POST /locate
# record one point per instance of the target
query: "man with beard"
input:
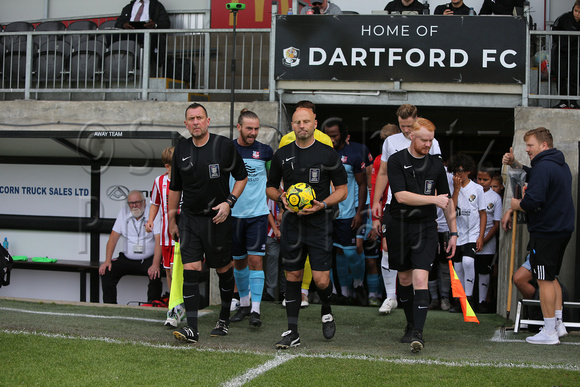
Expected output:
(138, 250)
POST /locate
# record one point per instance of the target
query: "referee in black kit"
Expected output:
(419, 185)
(308, 232)
(201, 170)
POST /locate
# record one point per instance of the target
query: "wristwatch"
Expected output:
(453, 234)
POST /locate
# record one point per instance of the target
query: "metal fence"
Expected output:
(144, 62)
(554, 68)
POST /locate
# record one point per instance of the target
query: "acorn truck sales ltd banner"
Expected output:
(444, 49)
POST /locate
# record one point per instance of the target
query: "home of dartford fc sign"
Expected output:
(445, 49)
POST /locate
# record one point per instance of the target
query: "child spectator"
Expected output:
(159, 200)
(484, 258)
(471, 220)
(497, 185)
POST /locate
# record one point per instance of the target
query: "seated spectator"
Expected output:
(321, 7)
(454, 7)
(405, 7)
(565, 56)
(138, 251)
(153, 16)
(502, 7)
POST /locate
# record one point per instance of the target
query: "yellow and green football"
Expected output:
(300, 196)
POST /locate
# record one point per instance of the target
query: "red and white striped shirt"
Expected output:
(160, 197)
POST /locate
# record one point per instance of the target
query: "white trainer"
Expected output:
(304, 303)
(561, 329)
(544, 338)
(180, 312)
(171, 320)
(388, 305)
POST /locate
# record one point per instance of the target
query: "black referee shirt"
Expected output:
(425, 176)
(316, 165)
(203, 173)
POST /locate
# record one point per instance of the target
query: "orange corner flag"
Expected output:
(458, 292)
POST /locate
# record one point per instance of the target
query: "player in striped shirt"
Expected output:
(159, 200)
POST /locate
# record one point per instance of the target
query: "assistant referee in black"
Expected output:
(201, 170)
(308, 232)
(419, 185)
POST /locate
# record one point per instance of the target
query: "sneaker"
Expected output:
(186, 334)
(234, 305)
(304, 303)
(242, 312)
(417, 342)
(361, 296)
(561, 329)
(255, 319)
(289, 339)
(171, 320)
(434, 304)
(388, 305)
(408, 334)
(328, 326)
(456, 307)
(374, 301)
(221, 328)
(561, 105)
(180, 312)
(284, 303)
(445, 304)
(543, 338)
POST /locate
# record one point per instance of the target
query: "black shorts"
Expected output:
(466, 250)
(199, 236)
(546, 257)
(306, 235)
(411, 245)
(343, 235)
(249, 236)
(483, 263)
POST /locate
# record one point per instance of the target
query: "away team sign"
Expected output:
(445, 49)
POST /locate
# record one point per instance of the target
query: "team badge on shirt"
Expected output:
(429, 187)
(256, 154)
(490, 206)
(472, 198)
(344, 159)
(214, 171)
(314, 175)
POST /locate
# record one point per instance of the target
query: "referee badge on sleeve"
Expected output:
(214, 171)
(314, 175)
(429, 187)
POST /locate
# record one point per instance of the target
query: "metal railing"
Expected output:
(554, 67)
(140, 62)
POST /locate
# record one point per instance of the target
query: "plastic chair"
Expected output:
(86, 62)
(122, 60)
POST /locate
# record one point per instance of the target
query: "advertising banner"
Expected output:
(442, 49)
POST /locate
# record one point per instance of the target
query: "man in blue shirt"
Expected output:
(250, 219)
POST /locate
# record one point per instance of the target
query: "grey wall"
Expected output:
(563, 124)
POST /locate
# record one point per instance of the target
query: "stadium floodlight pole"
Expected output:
(234, 8)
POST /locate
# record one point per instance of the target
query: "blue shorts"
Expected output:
(526, 265)
(344, 236)
(249, 236)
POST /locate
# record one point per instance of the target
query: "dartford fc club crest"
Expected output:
(291, 57)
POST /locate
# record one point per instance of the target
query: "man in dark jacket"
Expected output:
(405, 7)
(154, 16)
(565, 56)
(502, 7)
(550, 210)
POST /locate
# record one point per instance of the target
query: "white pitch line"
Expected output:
(253, 373)
(459, 363)
(201, 313)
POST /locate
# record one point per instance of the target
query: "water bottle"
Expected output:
(426, 8)
(310, 11)
(5, 243)
(471, 11)
(290, 11)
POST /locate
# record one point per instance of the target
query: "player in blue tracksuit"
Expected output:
(351, 212)
(250, 219)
